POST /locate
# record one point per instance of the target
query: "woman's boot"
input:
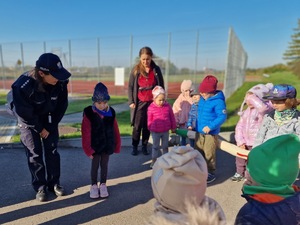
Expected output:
(134, 150)
(145, 149)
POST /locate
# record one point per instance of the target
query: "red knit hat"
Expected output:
(208, 84)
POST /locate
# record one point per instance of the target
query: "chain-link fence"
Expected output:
(181, 55)
(235, 66)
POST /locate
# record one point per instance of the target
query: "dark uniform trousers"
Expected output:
(36, 150)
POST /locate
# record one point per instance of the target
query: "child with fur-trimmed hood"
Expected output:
(179, 184)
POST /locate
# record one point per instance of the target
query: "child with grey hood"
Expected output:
(284, 119)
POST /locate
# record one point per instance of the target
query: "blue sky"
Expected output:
(263, 26)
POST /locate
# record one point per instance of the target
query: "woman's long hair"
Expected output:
(34, 73)
(139, 68)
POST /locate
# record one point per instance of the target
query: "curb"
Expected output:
(76, 142)
(125, 142)
(66, 143)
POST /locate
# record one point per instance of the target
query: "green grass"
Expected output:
(123, 122)
(78, 105)
(233, 105)
(2, 98)
(234, 102)
(122, 118)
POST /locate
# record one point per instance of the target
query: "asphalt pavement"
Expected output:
(130, 201)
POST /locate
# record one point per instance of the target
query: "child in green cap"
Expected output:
(272, 198)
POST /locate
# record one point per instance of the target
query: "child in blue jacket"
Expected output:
(191, 123)
(211, 115)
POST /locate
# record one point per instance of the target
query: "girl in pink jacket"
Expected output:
(249, 123)
(160, 120)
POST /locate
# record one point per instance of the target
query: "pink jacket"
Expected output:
(161, 118)
(250, 121)
(181, 109)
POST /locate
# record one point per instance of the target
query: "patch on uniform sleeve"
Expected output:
(27, 87)
(25, 83)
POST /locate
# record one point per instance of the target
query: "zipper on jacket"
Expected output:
(49, 118)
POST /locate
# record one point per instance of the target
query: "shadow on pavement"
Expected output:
(128, 184)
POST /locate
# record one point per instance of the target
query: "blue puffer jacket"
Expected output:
(283, 212)
(211, 113)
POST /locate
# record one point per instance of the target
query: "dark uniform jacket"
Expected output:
(39, 109)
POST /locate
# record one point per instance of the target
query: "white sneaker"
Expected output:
(103, 191)
(94, 191)
(237, 177)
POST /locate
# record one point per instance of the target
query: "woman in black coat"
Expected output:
(143, 78)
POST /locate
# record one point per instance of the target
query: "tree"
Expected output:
(292, 54)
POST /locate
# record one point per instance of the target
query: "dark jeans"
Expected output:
(140, 125)
(101, 160)
(37, 150)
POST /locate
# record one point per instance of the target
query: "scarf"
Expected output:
(106, 112)
(286, 115)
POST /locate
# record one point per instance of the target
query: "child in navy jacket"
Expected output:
(272, 198)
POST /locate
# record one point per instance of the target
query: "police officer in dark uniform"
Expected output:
(40, 99)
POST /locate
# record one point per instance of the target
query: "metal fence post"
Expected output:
(196, 56)
(70, 66)
(98, 58)
(22, 55)
(2, 66)
(168, 62)
(45, 46)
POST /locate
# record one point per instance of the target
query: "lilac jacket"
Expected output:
(250, 121)
(160, 118)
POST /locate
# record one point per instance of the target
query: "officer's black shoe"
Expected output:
(41, 195)
(134, 150)
(57, 189)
